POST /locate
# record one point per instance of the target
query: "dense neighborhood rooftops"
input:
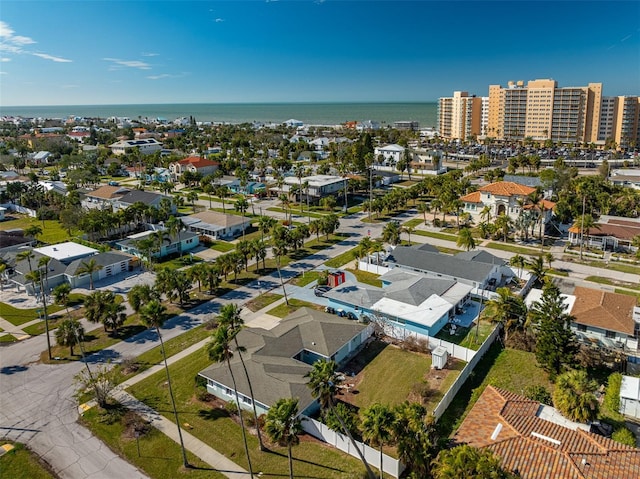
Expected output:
(507, 188)
(454, 266)
(269, 355)
(509, 425)
(605, 310)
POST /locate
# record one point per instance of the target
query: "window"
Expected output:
(582, 327)
(610, 334)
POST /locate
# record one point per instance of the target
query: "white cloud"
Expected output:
(13, 44)
(150, 54)
(219, 20)
(116, 62)
(4, 59)
(52, 58)
(159, 77)
(3, 73)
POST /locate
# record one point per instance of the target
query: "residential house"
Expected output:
(178, 244)
(112, 264)
(277, 360)
(146, 146)
(104, 197)
(504, 198)
(193, 164)
(611, 233)
(604, 320)
(216, 225)
(407, 304)
(535, 442)
(41, 157)
(391, 154)
(147, 197)
(628, 178)
(319, 186)
(479, 269)
(630, 397)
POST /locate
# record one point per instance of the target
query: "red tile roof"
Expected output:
(507, 188)
(604, 310)
(198, 162)
(471, 198)
(541, 449)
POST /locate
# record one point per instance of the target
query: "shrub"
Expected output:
(624, 435)
(135, 425)
(612, 393)
(130, 365)
(248, 418)
(413, 343)
(422, 390)
(539, 394)
(231, 407)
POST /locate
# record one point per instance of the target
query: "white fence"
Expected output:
(464, 374)
(20, 209)
(390, 465)
(372, 267)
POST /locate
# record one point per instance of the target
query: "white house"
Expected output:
(111, 264)
(505, 198)
(391, 154)
(145, 146)
(3, 210)
(193, 164)
(319, 186)
(104, 197)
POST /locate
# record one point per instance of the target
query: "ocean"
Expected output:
(309, 113)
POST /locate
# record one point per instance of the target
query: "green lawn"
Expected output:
(18, 316)
(52, 231)
(510, 369)
(623, 268)
(306, 278)
(160, 457)
(8, 338)
(295, 211)
(514, 249)
(413, 223)
(285, 309)
(341, 259)
(262, 301)
(612, 282)
(366, 277)
(223, 246)
(21, 463)
(217, 429)
(436, 234)
(466, 337)
(390, 376)
(177, 263)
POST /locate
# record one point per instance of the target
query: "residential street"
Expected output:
(36, 400)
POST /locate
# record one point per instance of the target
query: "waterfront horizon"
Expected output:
(311, 113)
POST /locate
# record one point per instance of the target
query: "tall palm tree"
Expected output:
(323, 383)
(391, 233)
(283, 425)
(518, 261)
(89, 267)
(279, 249)
(153, 315)
(465, 239)
(424, 208)
(69, 333)
(408, 230)
(506, 309)
(503, 223)
(230, 316)
(585, 222)
(28, 255)
(174, 227)
(219, 350)
(377, 427)
(536, 267)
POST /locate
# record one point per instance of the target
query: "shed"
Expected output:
(630, 396)
(336, 278)
(439, 357)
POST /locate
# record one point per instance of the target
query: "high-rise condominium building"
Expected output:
(460, 117)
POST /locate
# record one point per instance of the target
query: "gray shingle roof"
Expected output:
(269, 355)
(103, 259)
(146, 197)
(357, 294)
(480, 256)
(438, 263)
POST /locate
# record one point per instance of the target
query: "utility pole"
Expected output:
(584, 201)
(46, 317)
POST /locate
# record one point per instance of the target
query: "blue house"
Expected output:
(277, 360)
(183, 242)
(407, 304)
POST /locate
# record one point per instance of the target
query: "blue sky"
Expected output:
(61, 52)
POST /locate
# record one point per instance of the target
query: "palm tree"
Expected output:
(466, 239)
(503, 223)
(548, 257)
(283, 425)
(242, 205)
(518, 261)
(506, 309)
(584, 223)
(61, 295)
(69, 333)
(279, 249)
(28, 255)
(323, 382)
(377, 427)
(391, 233)
(424, 208)
(222, 192)
(467, 461)
(574, 396)
(408, 230)
(230, 316)
(219, 350)
(536, 267)
(174, 226)
(485, 213)
(89, 267)
(153, 315)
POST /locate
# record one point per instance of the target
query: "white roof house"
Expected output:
(630, 396)
(66, 252)
(426, 313)
(535, 295)
(146, 146)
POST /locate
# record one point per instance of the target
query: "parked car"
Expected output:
(321, 290)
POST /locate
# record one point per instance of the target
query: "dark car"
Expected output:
(320, 290)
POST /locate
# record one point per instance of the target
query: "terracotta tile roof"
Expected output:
(198, 162)
(540, 449)
(507, 188)
(548, 205)
(471, 198)
(605, 310)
